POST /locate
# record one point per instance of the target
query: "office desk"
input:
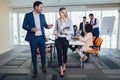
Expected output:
(75, 42)
(79, 43)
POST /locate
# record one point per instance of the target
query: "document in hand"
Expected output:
(66, 28)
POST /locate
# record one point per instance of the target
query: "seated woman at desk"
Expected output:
(88, 39)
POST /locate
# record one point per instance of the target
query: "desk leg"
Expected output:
(54, 52)
(51, 53)
(81, 62)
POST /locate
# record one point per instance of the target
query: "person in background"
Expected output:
(95, 23)
(82, 26)
(75, 35)
(88, 39)
(34, 23)
(63, 29)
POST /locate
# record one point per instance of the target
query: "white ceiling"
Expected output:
(29, 3)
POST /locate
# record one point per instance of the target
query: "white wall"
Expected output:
(5, 29)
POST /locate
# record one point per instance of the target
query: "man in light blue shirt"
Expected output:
(74, 35)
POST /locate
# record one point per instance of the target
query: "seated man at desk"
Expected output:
(75, 36)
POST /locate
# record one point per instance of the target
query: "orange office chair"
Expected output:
(96, 47)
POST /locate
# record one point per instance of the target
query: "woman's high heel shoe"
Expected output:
(61, 74)
(64, 67)
(64, 71)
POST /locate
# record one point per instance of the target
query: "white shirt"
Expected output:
(37, 24)
(97, 23)
(84, 26)
(59, 26)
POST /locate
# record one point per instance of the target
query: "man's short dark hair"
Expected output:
(36, 3)
(74, 25)
(88, 27)
(84, 17)
(91, 14)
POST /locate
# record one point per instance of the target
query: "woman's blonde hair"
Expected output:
(64, 10)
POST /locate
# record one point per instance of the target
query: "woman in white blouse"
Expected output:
(88, 39)
(63, 29)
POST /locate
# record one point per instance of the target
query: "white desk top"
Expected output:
(71, 42)
(76, 42)
(50, 42)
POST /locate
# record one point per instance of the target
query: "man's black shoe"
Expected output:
(44, 70)
(34, 75)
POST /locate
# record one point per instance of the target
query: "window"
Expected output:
(21, 31)
(15, 29)
(76, 16)
(50, 19)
